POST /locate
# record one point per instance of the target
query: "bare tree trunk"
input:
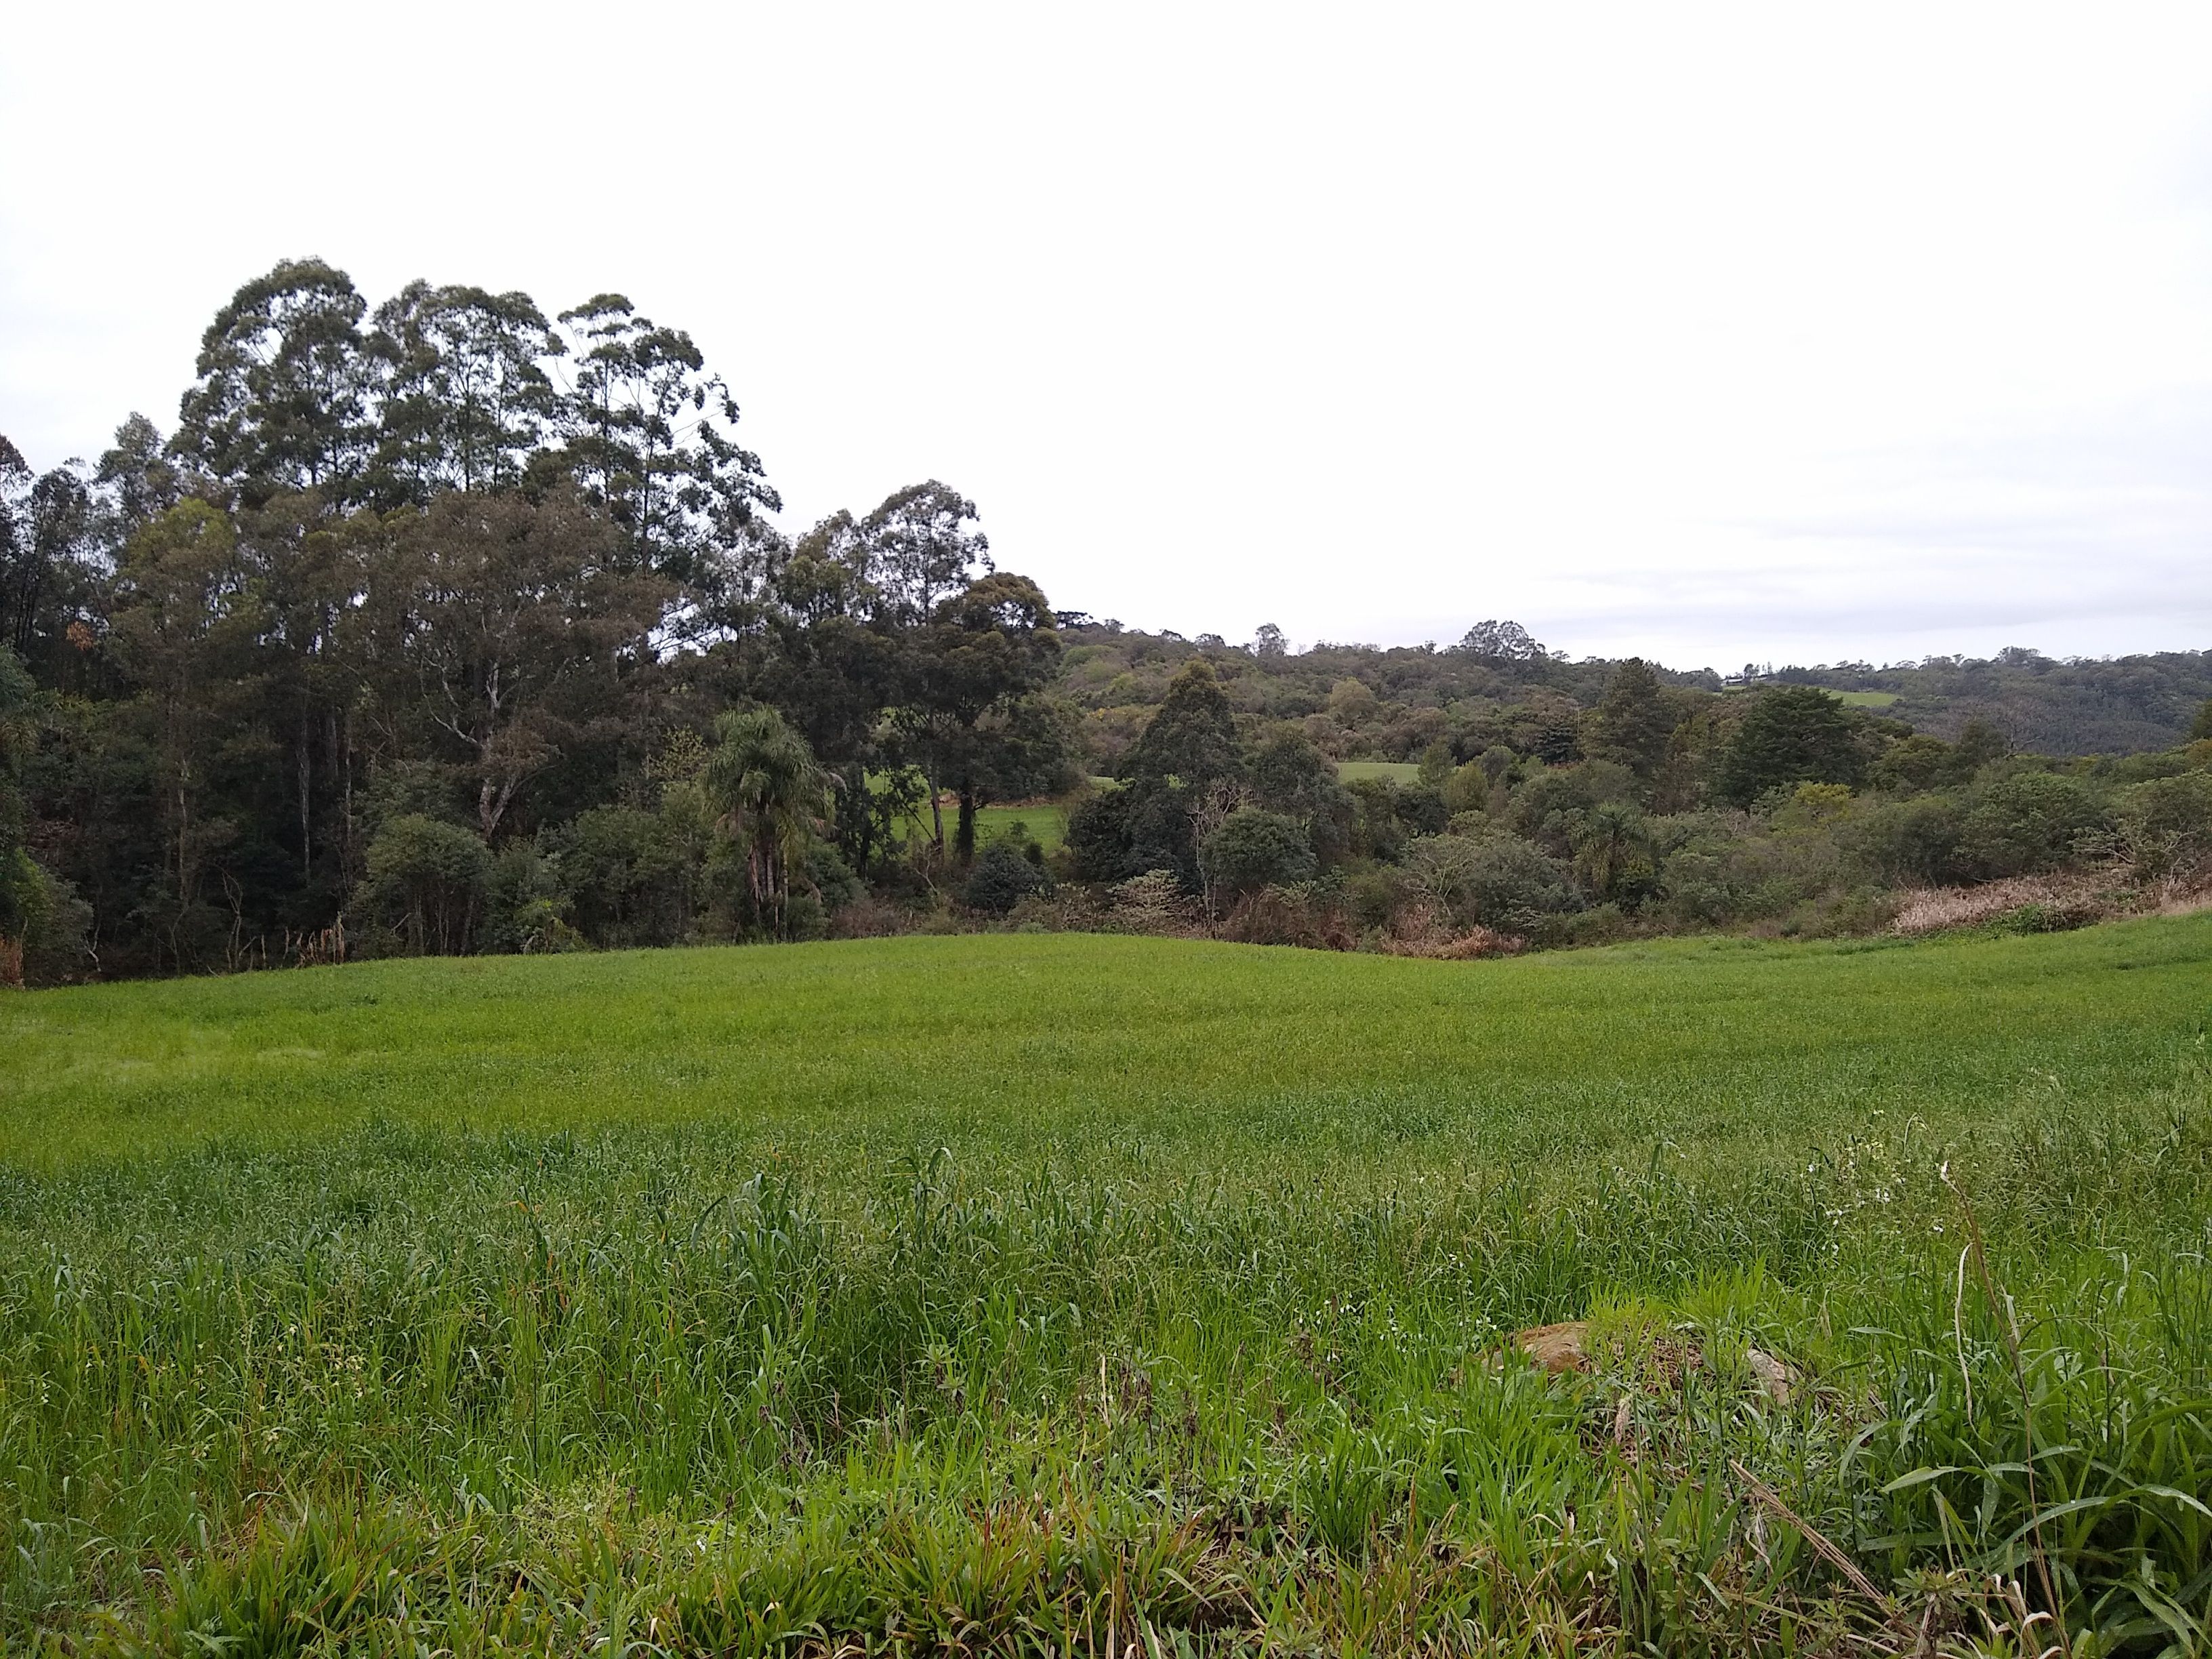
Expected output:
(307, 798)
(964, 838)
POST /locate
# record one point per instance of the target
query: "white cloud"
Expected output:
(1716, 333)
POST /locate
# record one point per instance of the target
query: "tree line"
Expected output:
(446, 625)
(1662, 804)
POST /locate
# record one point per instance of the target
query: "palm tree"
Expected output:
(1608, 842)
(762, 780)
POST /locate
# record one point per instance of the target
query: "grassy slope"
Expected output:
(1016, 1039)
(1046, 822)
(545, 1304)
(1399, 772)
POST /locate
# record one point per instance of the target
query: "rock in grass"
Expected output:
(1557, 1348)
(1774, 1377)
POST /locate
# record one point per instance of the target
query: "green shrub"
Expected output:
(427, 881)
(1001, 879)
(1499, 882)
(1254, 849)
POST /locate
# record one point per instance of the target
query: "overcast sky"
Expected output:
(1715, 334)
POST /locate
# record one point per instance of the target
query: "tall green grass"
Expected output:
(487, 1326)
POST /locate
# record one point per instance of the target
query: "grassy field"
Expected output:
(1867, 699)
(1046, 822)
(1045, 1292)
(1397, 772)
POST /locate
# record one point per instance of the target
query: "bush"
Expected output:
(1500, 882)
(1799, 734)
(526, 909)
(427, 879)
(2026, 824)
(54, 945)
(1913, 840)
(1099, 836)
(1300, 915)
(2164, 827)
(1254, 849)
(1001, 879)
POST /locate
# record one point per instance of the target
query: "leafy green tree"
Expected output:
(1289, 775)
(1910, 764)
(1001, 879)
(1253, 850)
(433, 876)
(1979, 743)
(920, 551)
(1611, 844)
(1634, 721)
(972, 714)
(1501, 641)
(465, 400)
(2201, 727)
(189, 625)
(494, 625)
(771, 796)
(1191, 739)
(1496, 881)
(44, 520)
(1794, 735)
(136, 480)
(1101, 836)
(23, 886)
(284, 397)
(649, 436)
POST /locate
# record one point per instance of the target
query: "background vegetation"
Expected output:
(444, 627)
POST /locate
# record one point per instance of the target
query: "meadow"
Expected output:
(1059, 1293)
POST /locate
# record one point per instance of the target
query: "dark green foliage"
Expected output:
(466, 399)
(1978, 743)
(2165, 824)
(1191, 741)
(1797, 734)
(1254, 849)
(391, 569)
(649, 437)
(23, 887)
(1497, 881)
(1632, 725)
(427, 881)
(2201, 727)
(1001, 879)
(1102, 836)
(1910, 841)
(284, 398)
(973, 717)
(2029, 822)
(1290, 776)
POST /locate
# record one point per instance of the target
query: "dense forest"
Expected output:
(444, 626)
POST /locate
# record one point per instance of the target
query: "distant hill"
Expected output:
(2113, 705)
(1370, 702)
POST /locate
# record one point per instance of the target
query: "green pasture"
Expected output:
(1025, 1293)
(1398, 772)
(1016, 1044)
(1046, 823)
(1867, 699)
